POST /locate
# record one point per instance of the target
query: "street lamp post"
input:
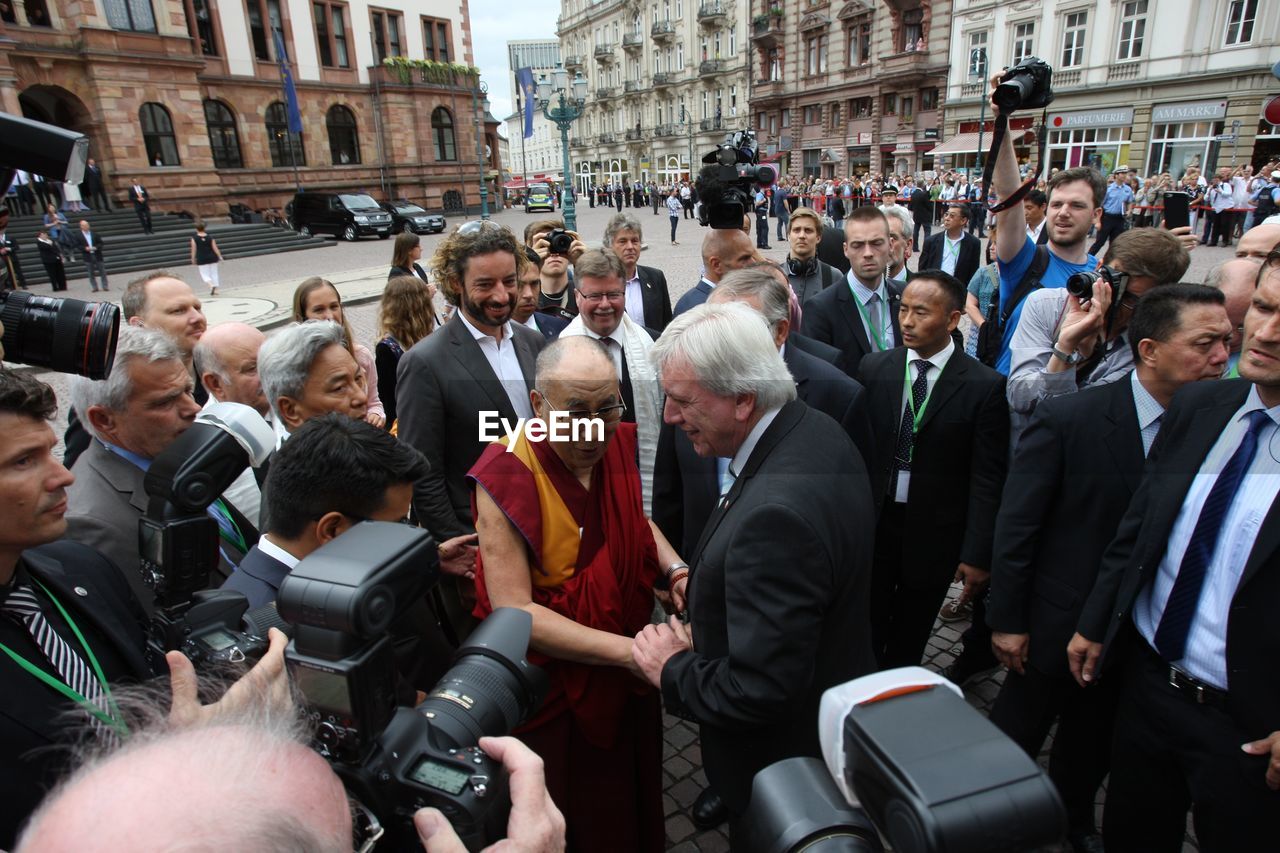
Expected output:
(480, 105)
(978, 64)
(570, 99)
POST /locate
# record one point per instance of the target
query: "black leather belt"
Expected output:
(1189, 686)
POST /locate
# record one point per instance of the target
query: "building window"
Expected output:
(833, 113)
(860, 107)
(331, 39)
(774, 71)
(860, 42)
(200, 25)
(1133, 28)
(733, 40)
(344, 145)
(386, 34)
(264, 20)
(906, 110)
(816, 55)
(978, 55)
(135, 15)
(912, 30)
(1240, 17)
(890, 105)
(1073, 39)
(224, 140)
(786, 118)
(928, 99)
(442, 133)
(435, 39)
(812, 114)
(1024, 41)
(286, 148)
(157, 135)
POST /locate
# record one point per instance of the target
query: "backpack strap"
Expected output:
(1030, 281)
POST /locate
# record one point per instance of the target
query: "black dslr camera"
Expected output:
(179, 541)
(559, 241)
(726, 185)
(1025, 86)
(1080, 285)
(341, 600)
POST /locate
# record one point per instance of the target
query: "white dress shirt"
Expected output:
(1150, 412)
(863, 295)
(939, 361)
(739, 461)
(501, 355)
(950, 252)
(635, 299)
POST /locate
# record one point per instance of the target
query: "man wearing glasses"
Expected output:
(602, 315)
(564, 536)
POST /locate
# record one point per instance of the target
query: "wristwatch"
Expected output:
(1071, 358)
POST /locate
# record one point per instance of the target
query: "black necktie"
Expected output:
(906, 429)
(628, 395)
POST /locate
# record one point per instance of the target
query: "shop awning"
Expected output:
(967, 143)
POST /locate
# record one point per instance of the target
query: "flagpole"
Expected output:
(524, 160)
(284, 87)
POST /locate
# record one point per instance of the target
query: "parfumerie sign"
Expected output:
(1191, 111)
(1092, 118)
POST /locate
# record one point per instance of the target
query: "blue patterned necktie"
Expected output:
(907, 429)
(1175, 622)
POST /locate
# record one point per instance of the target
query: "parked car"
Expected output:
(406, 214)
(346, 215)
(539, 197)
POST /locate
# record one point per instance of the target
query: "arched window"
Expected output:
(283, 154)
(157, 135)
(344, 145)
(224, 139)
(442, 133)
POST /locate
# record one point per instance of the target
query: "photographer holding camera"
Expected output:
(560, 250)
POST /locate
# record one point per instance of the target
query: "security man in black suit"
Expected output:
(778, 587)
(952, 250)
(941, 452)
(648, 299)
(1072, 477)
(1182, 614)
(859, 316)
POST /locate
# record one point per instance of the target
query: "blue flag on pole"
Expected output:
(528, 91)
(290, 93)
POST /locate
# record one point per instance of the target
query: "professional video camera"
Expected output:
(341, 599)
(66, 335)
(178, 540)
(905, 750)
(727, 185)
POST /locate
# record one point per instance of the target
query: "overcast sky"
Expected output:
(493, 24)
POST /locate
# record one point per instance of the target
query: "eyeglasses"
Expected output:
(608, 414)
(611, 295)
(475, 226)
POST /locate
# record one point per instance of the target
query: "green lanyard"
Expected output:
(108, 718)
(877, 335)
(916, 417)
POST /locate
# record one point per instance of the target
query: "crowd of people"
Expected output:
(795, 463)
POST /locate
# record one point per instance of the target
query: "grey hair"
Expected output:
(285, 360)
(621, 222)
(730, 351)
(113, 393)
(206, 360)
(900, 213)
(1214, 278)
(775, 300)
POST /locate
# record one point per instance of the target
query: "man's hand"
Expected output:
(534, 825)
(1084, 322)
(656, 645)
(266, 684)
(1188, 240)
(458, 556)
(1011, 649)
(576, 248)
(678, 594)
(975, 581)
(1269, 745)
(1082, 657)
(541, 245)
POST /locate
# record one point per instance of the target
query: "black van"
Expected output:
(346, 215)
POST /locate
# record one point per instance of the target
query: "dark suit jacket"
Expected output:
(695, 297)
(817, 349)
(144, 202)
(657, 300)
(1192, 423)
(92, 180)
(958, 464)
(778, 601)
(442, 383)
(82, 245)
(1073, 474)
(967, 263)
(32, 715)
(258, 578)
(833, 318)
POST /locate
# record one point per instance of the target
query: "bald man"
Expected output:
(1237, 280)
(723, 251)
(1258, 241)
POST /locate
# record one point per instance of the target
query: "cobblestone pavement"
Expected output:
(360, 269)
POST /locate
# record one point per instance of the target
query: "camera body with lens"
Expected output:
(393, 760)
(1080, 285)
(559, 241)
(728, 182)
(1025, 86)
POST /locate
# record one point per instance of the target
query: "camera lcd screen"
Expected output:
(440, 776)
(326, 689)
(218, 640)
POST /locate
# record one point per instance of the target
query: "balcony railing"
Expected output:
(663, 30)
(767, 30)
(710, 124)
(634, 134)
(572, 62)
(910, 63)
(711, 67)
(604, 93)
(630, 86)
(604, 52)
(632, 41)
(663, 78)
(607, 138)
(1124, 71)
(711, 13)
(1063, 79)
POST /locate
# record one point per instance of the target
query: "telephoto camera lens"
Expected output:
(66, 335)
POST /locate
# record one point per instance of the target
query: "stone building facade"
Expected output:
(845, 87)
(186, 96)
(667, 80)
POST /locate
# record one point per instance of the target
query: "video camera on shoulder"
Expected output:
(395, 760)
(179, 541)
(727, 184)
